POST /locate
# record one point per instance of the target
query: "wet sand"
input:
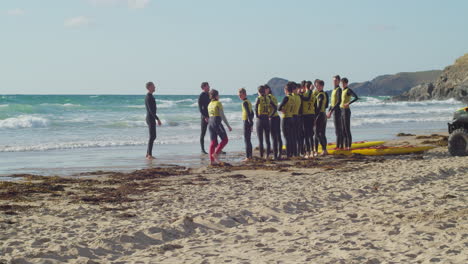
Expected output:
(398, 209)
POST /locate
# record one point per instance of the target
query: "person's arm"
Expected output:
(283, 103)
(256, 107)
(223, 117)
(202, 106)
(275, 108)
(249, 112)
(338, 103)
(353, 94)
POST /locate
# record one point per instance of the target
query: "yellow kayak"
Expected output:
(382, 150)
(355, 145)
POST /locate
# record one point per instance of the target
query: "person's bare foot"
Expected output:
(213, 163)
(246, 160)
(324, 153)
(215, 157)
(149, 157)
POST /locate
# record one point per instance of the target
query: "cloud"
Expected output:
(16, 12)
(382, 27)
(78, 21)
(136, 4)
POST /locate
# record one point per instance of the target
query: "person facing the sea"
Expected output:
(346, 101)
(335, 109)
(247, 119)
(215, 126)
(263, 114)
(287, 108)
(203, 101)
(151, 118)
(275, 125)
(308, 118)
(321, 118)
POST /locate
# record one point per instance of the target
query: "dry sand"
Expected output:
(401, 209)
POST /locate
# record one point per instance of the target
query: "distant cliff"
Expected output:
(452, 83)
(277, 86)
(395, 84)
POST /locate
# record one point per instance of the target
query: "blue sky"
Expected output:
(115, 46)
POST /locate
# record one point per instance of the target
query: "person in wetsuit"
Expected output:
(308, 118)
(321, 118)
(263, 114)
(151, 118)
(346, 101)
(275, 125)
(216, 128)
(296, 119)
(336, 111)
(247, 119)
(203, 102)
(287, 107)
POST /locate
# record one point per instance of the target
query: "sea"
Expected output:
(72, 134)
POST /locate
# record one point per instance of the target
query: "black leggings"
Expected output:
(308, 123)
(299, 136)
(152, 135)
(346, 119)
(263, 128)
(338, 128)
(275, 131)
(247, 139)
(204, 125)
(320, 131)
(288, 133)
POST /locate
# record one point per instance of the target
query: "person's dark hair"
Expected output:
(316, 81)
(213, 94)
(269, 88)
(298, 85)
(242, 91)
(308, 84)
(290, 86)
(321, 83)
(148, 84)
(203, 84)
(337, 77)
(345, 80)
(261, 89)
(303, 83)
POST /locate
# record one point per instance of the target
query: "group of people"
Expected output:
(304, 113)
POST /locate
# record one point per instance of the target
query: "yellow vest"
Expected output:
(324, 103)
(289, 107)
(297, 104)
(345, 98)
(245, 114)
(214, 107)
(263, 105)
(308, 107)
(334, 97)
(275, 101)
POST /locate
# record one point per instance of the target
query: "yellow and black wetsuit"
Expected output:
(247, 119)
(216, 128)
(275, 129)
(287, 107)
(336, 110)
(308, 119)
(297, 124)
(346, 96)
(263, 114)
(321, 120)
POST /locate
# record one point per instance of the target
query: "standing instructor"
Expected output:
(203, 102)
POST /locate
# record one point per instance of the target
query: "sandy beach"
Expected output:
(336, 209)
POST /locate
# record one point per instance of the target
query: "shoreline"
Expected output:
(332, 209)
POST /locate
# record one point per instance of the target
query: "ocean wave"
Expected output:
(4, 105)
(62, 105)
(136, 106)
(24, 122)
(387, 121)
(372, 101)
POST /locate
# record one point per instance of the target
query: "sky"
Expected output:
(116, 46)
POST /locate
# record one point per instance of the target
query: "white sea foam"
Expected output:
(4, 105)
(371, 101)
(24, 121)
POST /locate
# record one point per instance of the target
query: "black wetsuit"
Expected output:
(300, 130)
(275, 132)
(203, 102)
(288, 130)
(151, 118)
(308, 121)
(336, 110)
(248, 124)
(263, 127)
(346, 120)
(320, 123)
